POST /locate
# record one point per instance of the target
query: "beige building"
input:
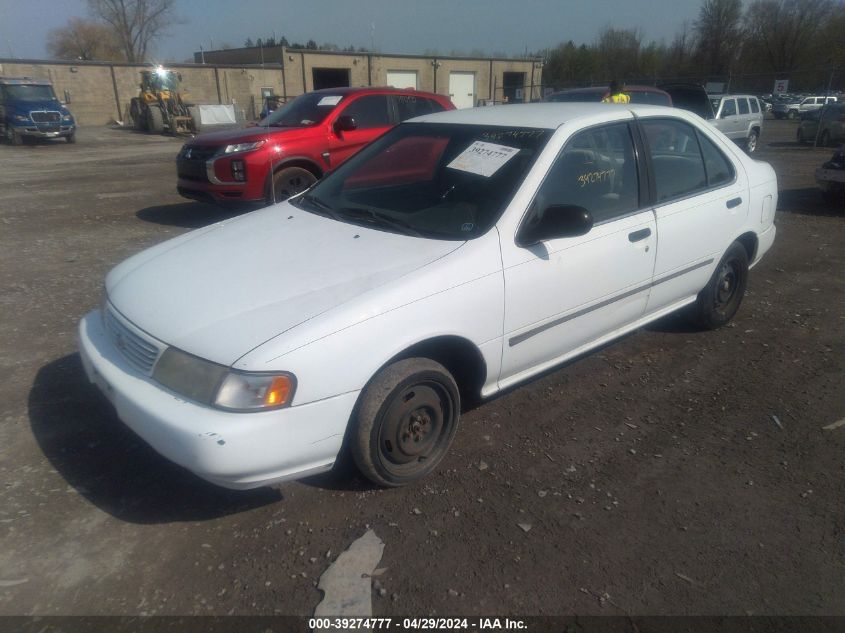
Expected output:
(467, 81)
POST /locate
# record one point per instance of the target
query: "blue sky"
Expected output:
(394, 26)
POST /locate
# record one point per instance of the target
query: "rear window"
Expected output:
(755, 105)
(647, 96)
(743, 106)
(578, 95)
(409, 106)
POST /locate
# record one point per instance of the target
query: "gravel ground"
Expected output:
(672, 472)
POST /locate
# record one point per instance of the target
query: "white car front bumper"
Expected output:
(234, 450)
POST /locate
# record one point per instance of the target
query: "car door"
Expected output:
(371, 114)
(563, 294)
(700, 204)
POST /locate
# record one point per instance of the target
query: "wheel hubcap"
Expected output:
(414, 424)
(292, 186)
(726, 284)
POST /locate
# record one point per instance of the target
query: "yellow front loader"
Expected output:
(160, 106)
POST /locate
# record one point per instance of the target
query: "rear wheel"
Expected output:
(751, 141)
(405, 422)
(719, 301)
(290, 181)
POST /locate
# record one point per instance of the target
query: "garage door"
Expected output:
(402, 78)
(462, 89)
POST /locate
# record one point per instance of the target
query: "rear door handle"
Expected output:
(733, 202)
(636, 236)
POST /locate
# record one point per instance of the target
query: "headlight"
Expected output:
(243, 147)
(67, 118)
(217, 385)
(21, 117)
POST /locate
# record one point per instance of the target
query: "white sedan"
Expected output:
(459, 254)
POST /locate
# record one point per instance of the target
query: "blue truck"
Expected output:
(29, 109)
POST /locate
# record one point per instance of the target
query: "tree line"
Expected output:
(801, 40)
(745, 46)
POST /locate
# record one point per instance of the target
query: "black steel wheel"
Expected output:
(405, 421)
(290, 181)
(719, 301)
(12, 136)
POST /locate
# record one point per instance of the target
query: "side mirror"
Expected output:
(345, 123)
(556, 221)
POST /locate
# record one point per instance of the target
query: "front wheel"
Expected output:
(751, 141)
(12, 136)
(720, 299)
(405, 421)
(792, 115)
(71, 138)
(290, 181)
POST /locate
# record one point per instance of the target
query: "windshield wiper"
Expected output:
(317, 205)
(374, 217)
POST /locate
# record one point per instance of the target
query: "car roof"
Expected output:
(373, 90)
(603, 89)
(24, 81)
(549, 115)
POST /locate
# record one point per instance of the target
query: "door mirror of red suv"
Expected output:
(345, 123)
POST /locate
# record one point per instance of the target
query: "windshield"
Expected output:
(305, 111)
(30, 93)
(430, 180)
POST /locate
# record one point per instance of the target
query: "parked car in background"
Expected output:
(826, 124)
(692, 97)
(457, 256)
(740, 118)
(831, 177)
(29, 109)
(289, 150)
(638, 94)
(794, 109)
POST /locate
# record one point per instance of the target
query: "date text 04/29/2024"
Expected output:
(414, 624)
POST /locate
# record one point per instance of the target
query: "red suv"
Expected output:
(294, 146)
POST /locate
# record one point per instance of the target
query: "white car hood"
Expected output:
(222, 291)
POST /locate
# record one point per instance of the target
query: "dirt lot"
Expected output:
(653, 474)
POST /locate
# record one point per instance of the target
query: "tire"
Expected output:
(71, 138)
(12, 137)
(155, 120)
(720, 299)
(288, 182)
(405, 422)
(792, 115)
(139, 117)
(751, 141)
(824, 139)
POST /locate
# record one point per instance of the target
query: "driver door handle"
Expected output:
(636, 236)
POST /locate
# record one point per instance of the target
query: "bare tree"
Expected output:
(786, 33)
(136, 23)
(719, 33)
(618, 52)
(84, 39)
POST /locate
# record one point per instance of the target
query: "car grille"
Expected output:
(140, 351)
(190, 163)
(46, 117)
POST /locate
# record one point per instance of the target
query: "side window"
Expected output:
(675, 158)
(755, 105)
(369, 111)
(729, 108)
(719, 169)
(596, 170)
(743, 106)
